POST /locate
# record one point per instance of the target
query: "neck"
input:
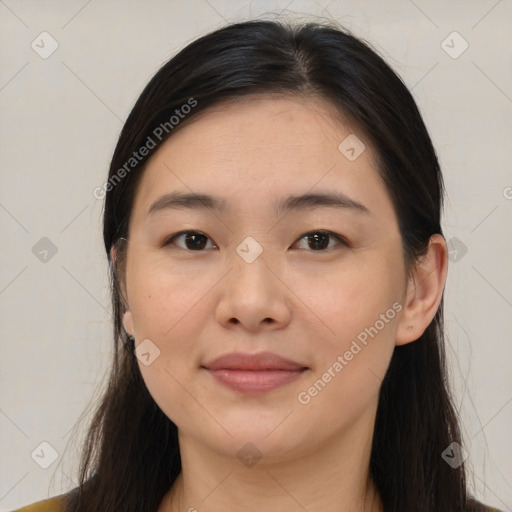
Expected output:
(331, 477)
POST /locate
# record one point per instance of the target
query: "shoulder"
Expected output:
(55, 504)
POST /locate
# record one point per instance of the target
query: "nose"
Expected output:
(254, 295)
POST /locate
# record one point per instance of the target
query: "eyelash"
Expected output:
(342, 241)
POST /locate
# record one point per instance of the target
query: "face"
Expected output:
(316, 282)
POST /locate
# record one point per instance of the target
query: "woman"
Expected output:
(272, 224)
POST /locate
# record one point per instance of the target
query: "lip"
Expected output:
(254, 373)
(260, 361)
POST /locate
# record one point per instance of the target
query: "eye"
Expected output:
(194, 240)
(319, 240)
(197, 241)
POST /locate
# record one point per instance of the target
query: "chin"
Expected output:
(250, 437)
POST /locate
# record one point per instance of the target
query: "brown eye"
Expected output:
(319, 240)
(193, 240)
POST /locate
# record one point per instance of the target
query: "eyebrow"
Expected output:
(179, 200)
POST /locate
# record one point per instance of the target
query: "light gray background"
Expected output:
(60, 119)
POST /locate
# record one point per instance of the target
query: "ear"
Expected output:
(127, 316)
(424, 291)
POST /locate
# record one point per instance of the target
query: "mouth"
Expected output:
(254, 373)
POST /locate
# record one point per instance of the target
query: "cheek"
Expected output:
(166, 310)
(162, 300)
(358, 313)
(352, 356)
(352, 298)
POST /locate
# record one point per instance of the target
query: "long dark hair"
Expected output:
(131, 455)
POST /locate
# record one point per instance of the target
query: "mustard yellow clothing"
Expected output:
(57, 504)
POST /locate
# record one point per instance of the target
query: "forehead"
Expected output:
(249, 121)
(259, 148)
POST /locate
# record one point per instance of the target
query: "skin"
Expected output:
(304, 304)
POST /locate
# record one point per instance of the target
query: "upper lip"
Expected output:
(261, 361)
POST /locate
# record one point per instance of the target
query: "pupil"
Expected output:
(196, 242)
(316, 239)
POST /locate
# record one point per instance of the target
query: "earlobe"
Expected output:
(128, 322)
(424, 292)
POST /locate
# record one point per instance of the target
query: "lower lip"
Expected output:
(256, 381)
